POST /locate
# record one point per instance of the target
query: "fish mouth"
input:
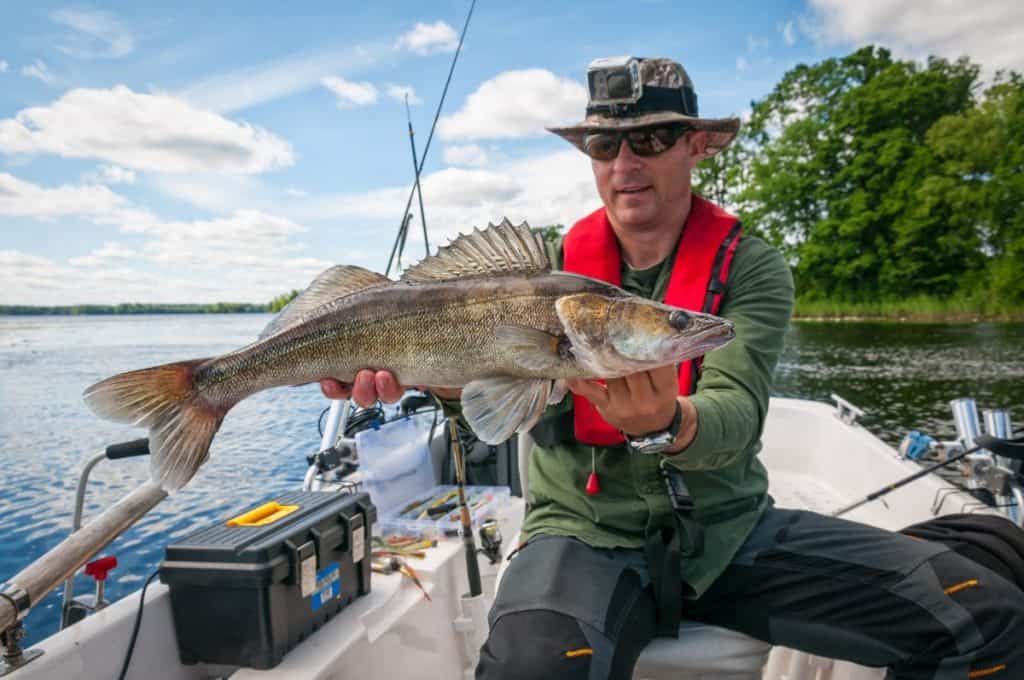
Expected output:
(692, 345)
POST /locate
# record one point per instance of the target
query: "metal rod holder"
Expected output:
(965, 417)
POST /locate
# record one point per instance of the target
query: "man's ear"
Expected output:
(698, 141)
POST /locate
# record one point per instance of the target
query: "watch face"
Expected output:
(655, 443)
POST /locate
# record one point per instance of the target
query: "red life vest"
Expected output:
(698, 278)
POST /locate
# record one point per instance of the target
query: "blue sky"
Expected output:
(200, 152)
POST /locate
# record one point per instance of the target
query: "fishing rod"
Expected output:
(416, 169)
(1010, 448)
(430, 137)
(472, 566)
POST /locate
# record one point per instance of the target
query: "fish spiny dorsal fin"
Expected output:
(336, 282)
(500, 249)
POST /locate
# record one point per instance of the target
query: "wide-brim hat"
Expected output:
(668, 97)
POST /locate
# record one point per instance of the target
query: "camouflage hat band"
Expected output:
(680, 100)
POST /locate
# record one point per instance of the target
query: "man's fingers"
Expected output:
(595, 393)
(619, 391)
(335, 389)
(364, 391)
(665, 379)
(388, 389)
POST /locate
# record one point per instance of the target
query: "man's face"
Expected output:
(645, 193)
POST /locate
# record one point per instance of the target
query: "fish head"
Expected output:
(613, 336)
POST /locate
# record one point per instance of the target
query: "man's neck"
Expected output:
(642, 249)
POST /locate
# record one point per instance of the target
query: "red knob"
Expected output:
(593, 486)
(98, 569)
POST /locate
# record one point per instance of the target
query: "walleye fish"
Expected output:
(487, 314)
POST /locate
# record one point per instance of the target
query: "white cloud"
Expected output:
(425, 39)
(143, 132)
(94, 202)
(754, 44)
(399, 92)
(742, 64)
(988, 31)
(788, 33)
(19, 198)
(516, 104)
(3, 66)
(110, 174)
(175, 262)
(111, 252)
(94, 34)
(466, 154)
(349, 93)
(550, 188)
(40, 71)
(261, 83)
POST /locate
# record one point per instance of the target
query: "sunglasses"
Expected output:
(649, 141)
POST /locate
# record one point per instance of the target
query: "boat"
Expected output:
(818, 456)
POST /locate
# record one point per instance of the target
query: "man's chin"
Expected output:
(639, 218)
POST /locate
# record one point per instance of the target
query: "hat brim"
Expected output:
(721, 131)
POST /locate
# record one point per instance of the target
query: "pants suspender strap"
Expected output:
(666, 549)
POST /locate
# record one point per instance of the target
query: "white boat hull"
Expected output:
(815, 462)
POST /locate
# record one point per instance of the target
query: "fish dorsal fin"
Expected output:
(330, 285)
(500, 249)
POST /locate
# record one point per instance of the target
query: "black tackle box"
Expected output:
(247, 590)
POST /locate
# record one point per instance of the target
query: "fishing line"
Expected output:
(135, 628)
(426, 149)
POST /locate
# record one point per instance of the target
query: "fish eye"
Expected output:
(679, 319)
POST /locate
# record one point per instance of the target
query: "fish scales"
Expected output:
(427, 334)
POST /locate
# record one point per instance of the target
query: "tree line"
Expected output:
(884, 180)
(136, 308)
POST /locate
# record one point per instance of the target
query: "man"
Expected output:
(610, 557)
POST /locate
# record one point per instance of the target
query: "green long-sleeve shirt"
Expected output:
(728, 483)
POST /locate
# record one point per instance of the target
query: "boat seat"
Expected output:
(701, 652)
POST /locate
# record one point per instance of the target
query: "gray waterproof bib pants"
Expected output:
(819, 584)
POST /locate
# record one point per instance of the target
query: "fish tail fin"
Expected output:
(165, 400)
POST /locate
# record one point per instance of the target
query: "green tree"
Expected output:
(550, 232)
(278, 303)
(982, 183)
(837, 179)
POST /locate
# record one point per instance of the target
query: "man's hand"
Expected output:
(641, 403)
(370, 386)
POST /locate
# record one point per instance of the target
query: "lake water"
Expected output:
(903, 375)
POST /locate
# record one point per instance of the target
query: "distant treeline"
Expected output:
(886, 181)
(135, 308)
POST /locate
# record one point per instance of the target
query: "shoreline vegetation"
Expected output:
(921, 309)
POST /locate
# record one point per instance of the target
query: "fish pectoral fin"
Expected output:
(496, 408)
(531, 348)
(334, 283)
(559, 389)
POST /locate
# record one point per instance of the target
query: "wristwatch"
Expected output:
(657, 442)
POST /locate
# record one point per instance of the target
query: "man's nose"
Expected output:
(626, 159)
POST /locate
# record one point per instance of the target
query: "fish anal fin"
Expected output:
(334, 283)
(498, 407)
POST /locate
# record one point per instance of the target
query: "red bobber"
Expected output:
(593, 486)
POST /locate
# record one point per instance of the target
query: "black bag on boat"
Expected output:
(990, 540)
